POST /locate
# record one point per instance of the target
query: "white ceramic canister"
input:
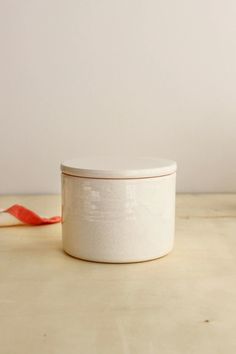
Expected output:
(118, 210)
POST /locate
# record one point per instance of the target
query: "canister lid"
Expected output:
(118, 167)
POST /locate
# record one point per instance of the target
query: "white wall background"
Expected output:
(146, 77)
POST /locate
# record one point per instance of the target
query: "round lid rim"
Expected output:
(166, 167)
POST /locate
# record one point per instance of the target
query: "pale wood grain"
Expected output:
(184, 303)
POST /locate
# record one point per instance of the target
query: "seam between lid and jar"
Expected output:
(117, 178)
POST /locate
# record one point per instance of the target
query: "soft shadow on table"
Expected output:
(24, 237)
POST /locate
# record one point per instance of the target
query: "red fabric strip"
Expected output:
(29, 217)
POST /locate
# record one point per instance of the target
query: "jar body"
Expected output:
(118, 220)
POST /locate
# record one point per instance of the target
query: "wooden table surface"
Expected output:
(185, 303)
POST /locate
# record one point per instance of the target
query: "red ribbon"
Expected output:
(29, 217)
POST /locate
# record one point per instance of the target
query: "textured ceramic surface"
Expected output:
(118, 220)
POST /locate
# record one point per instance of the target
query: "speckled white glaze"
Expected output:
(118, 220)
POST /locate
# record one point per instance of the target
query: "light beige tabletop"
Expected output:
(184, 303)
